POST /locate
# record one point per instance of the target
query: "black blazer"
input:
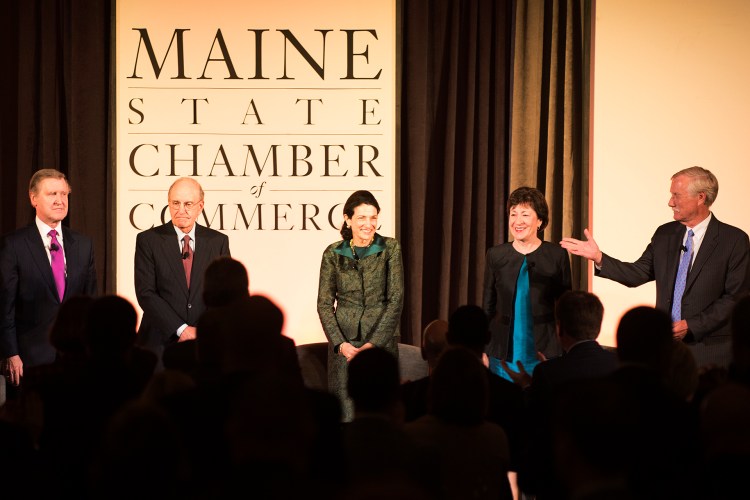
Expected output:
(720, 273)
(28, 295)
(160, 285)
(549, 277)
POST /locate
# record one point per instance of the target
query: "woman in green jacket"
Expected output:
(360, 292)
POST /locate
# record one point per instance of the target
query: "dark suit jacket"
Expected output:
(583, 360)
(720, 273)
(160, 284)
(28, 295)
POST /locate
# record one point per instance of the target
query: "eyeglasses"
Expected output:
(188, 205)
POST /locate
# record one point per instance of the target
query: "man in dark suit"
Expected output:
(716, 254)
(578, 321)
(170, 263)
(32, 286)
(578, 318)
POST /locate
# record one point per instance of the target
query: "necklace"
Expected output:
(351, 244)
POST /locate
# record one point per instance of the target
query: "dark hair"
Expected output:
(225, 280)
(644, 335)
(458, 390)
(535, 199)
(579, 314)
(356, 199)
(468, 326)
(110, 328)
(68, 330)
(373, 380)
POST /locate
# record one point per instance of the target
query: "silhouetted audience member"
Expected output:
(578, 319)
(377, 450)
(45, 382)
(739, 368)
(414, 392)
(67, 334)
(141, 454)
(468, 327)
(664, 426)
(594, 440)
(122, 367)
(473, 453)
(18, 456)
(682, 375)
(226, 280)
(78, 406)
(434, 341)
(724, 416)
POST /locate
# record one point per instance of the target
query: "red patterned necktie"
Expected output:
(187, 258)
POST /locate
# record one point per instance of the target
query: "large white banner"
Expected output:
(279, 109)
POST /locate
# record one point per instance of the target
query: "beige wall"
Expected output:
(671, 90)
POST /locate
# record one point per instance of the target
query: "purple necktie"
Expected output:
(187, 258)
(58, 263)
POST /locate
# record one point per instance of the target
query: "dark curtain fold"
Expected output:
(455, 95)
(494, 93)
(549, 120)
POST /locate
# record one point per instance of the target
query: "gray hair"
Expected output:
(701, 181)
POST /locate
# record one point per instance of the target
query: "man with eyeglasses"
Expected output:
(170, 261)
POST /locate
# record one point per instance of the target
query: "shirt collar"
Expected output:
(44, 230)
(181, 235)
(699, 230)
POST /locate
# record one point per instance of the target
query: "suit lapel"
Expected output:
(171, 249)
(674, 246)
(200, 258)
(709, 244)
(35, 245)
(72, 265)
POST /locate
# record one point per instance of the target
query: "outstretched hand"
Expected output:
(587, 249)
(521, 377)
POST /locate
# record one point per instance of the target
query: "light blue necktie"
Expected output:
(682, 272)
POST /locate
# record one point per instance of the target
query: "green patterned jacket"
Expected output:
(360, 300)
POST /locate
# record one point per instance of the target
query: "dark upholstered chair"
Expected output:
(313, 361)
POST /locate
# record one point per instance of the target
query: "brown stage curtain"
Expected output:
(549, 119)
(494, 94)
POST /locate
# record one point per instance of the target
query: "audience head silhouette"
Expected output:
(225, 280)
(111, 326)
(459, 387)
(468, 326)
(579, 315)
(373, 382)
(68, 334)
(434, 341)
(644, 336)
